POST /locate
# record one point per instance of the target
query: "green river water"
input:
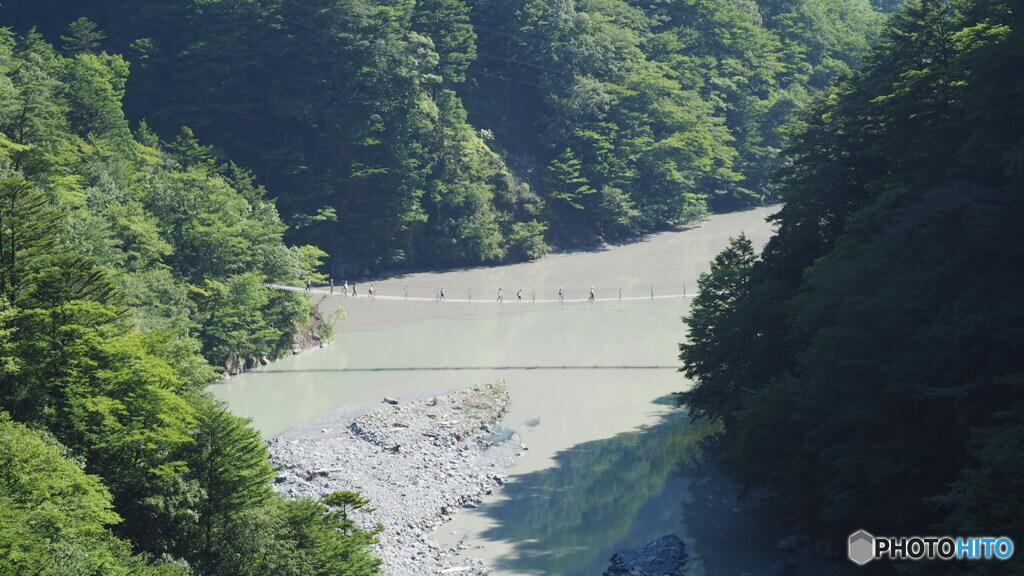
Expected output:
(610, 463)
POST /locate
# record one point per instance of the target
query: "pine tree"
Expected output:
(709, 354)
(84, 36)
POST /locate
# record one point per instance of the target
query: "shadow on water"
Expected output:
(668, 399)
(600, 497)
(623, 492)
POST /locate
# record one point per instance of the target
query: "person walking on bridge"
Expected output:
(344, 289)
(442, 293)
(561, 294)
(501, 295)
(591, 299)
(332, 286)
(373, 291)
(519, 295)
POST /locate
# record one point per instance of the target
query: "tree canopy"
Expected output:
(450, 132)
(130, 269)
(160, 161)
(868, 367)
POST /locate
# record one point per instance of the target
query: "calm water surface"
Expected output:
(610, 462)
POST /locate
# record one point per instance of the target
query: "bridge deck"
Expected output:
(507, 300)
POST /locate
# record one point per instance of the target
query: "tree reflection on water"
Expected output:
(608, 495)
(600, 497)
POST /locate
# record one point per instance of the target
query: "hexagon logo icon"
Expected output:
(861, 547)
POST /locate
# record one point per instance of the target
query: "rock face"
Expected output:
(666, 556)
(234, 365)
(418, 461)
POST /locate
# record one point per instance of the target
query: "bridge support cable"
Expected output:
(405, 297)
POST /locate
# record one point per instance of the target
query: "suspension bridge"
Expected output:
(469, 296)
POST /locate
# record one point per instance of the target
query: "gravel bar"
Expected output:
(419, 459)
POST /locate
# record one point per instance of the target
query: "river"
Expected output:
(610, 462)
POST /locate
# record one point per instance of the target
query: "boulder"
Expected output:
(234, 365)
(666, 556)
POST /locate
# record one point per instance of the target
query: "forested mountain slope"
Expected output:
(182, 239)
(132, 247)
(125, 265)
(586, 120)
(868, 365)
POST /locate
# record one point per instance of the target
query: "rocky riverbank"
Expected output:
(316, 333)
(418, 459)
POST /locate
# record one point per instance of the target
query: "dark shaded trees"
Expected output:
(714, 336)
(873, 379)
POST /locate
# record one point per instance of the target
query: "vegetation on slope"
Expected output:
(123, 262)
(589, 120)
(131, 260)
(867, 365)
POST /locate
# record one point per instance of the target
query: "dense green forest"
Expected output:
(867, 364)
(183, 240)
(146, 149)
(127, 266)
(447, 132)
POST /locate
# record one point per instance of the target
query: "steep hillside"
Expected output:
(867, 365)
(587, 121)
